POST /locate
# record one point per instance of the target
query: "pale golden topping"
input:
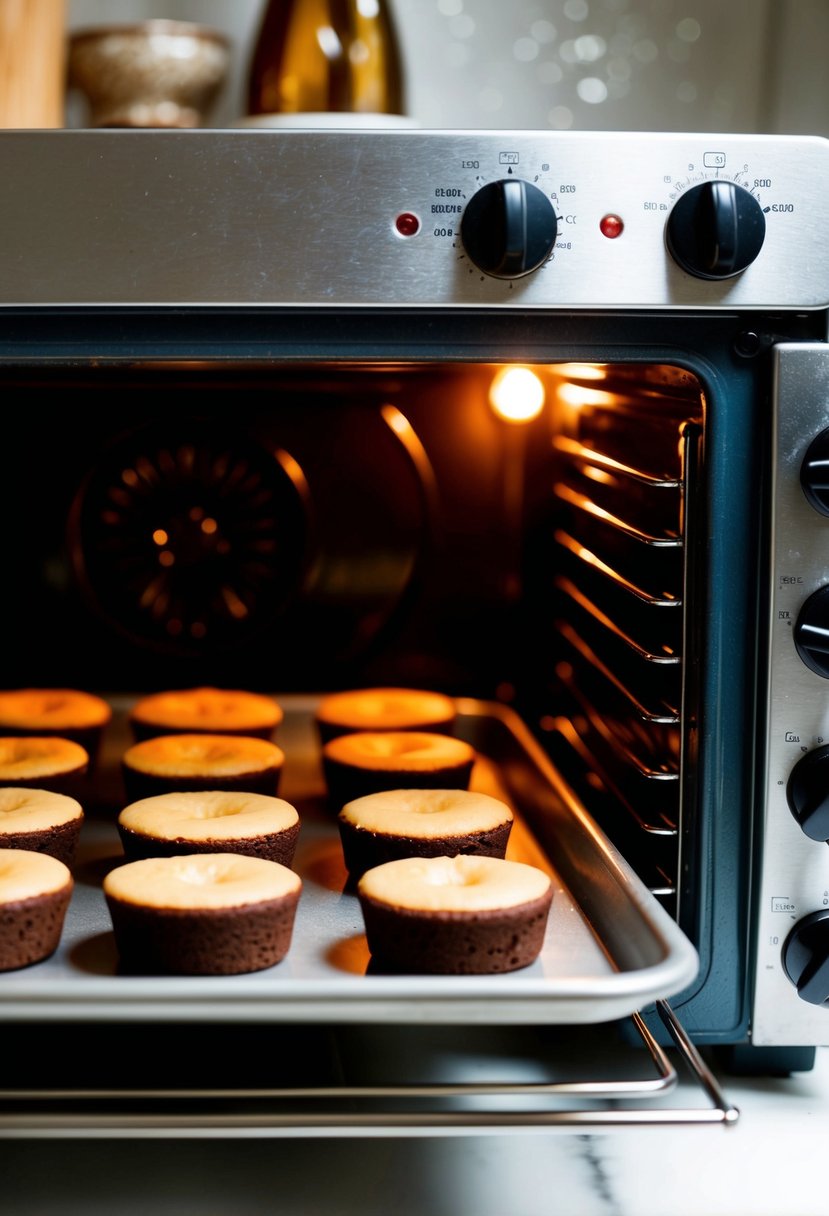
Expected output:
(23, 810)
(386, 709)
(215, 815)
(27, 759)
(454, 884)
(407, 750)
(200, 755)
(51, 709)
(424, 814)
(201, 880)
(26, 875)
(208, 709)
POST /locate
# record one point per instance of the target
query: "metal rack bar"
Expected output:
(587, 456)
(209, 1119)
(570, 589)
(582, 503)
(666, 600)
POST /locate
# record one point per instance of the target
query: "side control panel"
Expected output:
(791, 998)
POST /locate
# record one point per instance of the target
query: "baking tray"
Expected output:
(609, 950)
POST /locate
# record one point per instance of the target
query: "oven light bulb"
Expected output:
(516, 394)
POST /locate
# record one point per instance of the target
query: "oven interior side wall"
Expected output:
(399, 547)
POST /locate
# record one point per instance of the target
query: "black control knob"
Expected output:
(806, 957)
(716, 230)
(807, 792)
(509, 228)
(814, 473)
(811, 632)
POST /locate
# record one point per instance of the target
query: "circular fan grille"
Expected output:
(189, 544)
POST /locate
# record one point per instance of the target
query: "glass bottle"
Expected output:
(326, 56)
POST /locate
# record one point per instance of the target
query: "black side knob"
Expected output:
(811, 632)
(814, 473)
(806, 957)
(807, 792)
(509, 228)
(716, 230)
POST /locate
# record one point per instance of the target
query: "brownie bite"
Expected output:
(455, 915)
(47, 712)
(376, 709)
(40, 821)
(48, 763)
(421, 823)
(210, 822)
(368, 762)
(171, 763)
(211, 711)
(35, 890)
(202, 914)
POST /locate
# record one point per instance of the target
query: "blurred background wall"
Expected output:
(694, 65)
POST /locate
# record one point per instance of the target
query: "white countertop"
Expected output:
(773, 1162)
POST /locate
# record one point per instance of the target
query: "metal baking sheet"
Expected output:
(609, 950)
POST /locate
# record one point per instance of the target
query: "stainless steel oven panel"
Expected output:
(794, 878)
(308, 218)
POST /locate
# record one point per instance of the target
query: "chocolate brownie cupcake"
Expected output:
(48, 712)
(374, 709)
(171, 763)
(35, 890)
(455, 915)
(367, 762)
(211, 711)
(210, 822)
(46, 764)
(202, 914)
(421, 823)
(40, 821)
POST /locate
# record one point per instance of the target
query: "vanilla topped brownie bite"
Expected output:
(35, 890)
(40, 821)
(375, 709)
(455, 915)
(210, 822)
(421, 823)
(368, 762)
(203, 913)
(65, 712)
(170, 763)
(213, 711)
(48, 763)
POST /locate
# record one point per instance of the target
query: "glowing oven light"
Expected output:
(516, 394)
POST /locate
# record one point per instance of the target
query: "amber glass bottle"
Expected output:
(326, 56)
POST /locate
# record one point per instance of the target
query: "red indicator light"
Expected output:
(611, 226)
(407, 224)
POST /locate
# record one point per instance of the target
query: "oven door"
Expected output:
(330, 378)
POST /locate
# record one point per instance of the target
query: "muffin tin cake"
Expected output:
(35, 890)
(42, 763)
(370, 761)
(421, 823)
(171, 763)
(455, 915)
(374, 709)
(213, 711)
(40, 821)
(210, 822)
(202, 913)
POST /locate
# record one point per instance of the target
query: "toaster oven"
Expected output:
(537, 420)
